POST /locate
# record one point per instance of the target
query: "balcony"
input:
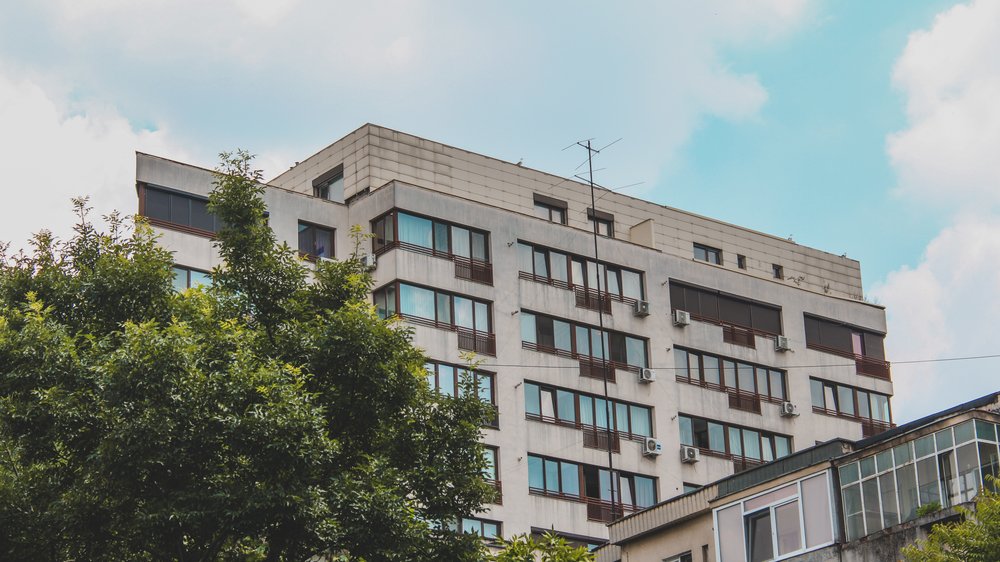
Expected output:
(868, 366)
(498, 488)
(606, 511)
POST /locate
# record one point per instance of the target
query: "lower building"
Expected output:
(859, 501)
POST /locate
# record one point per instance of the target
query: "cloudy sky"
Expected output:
(870, 128)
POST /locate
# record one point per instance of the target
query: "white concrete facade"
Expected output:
(385, 170)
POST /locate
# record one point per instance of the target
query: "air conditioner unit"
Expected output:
(652, 447)
(690, 454)
(647, 375)
(789, 410)
(682, 318)
(781, 343)
(368, 260)
(641, 308)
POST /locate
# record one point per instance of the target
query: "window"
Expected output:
(778, 271)
(688, 487)
(866, 347)
(685, 557)
(553, 477)
(603, 222)
(561, 269)
(770, 525)
(708, 253)
(186, 277)
(490, 473)
(453, 380)
(315, 241)
(330, 186)
(550, 209)
(561, 337)
(471, 318)
(434, 236)
(732, 441)
(723, 373)
(485, 528)
(715, 306)
(166, 207)
(469, 248)
(842, 400)
(741, 261)
(947, 467)
(557, 405)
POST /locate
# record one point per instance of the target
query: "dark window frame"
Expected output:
(707, 253)
(177, 268)
(478, 375)
(728, 453)
(575, 353)
(722, 385)
(710, 299)
(609, 269)
(840, 412)
(321, 185)
(145, 190)
(557, 211)
(577, 421)
(602, 221)
(333, 244)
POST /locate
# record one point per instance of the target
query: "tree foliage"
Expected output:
(549, 548)
(974, 539)
(272, 416)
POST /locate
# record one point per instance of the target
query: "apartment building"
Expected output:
(686, 350)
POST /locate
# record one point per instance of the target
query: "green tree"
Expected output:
(976, 538)
(272, 416)
(550, 548)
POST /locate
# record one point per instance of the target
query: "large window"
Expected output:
(485, 528)
(166, 207)
(561, 269)
(561, 337)
(947, 467)
(186, 277)
(470, 317)
(789, 520)
(715, 306)
(723, 373)
(733, 441)
(848, 401)
(866, 346)
(558, 405)
(315, 241)
(707, 253)
(598, 486)
(453, 380)
(433, 235)
(469, 248)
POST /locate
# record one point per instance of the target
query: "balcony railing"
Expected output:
(869, 366)
(577, 288)
(594, 438)
(593, 300)
(871, 428)
(498, 488)
(465, 268)
(473, 270)
(740, 400)
(723, 388)
(597, 370)
(476, 341)
(612, 364)
(618, 435)
(737, 335)
(606, 511)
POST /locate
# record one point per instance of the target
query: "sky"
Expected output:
(857, 127)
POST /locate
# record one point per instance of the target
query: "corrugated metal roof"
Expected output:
(671, 511)
(786, 465)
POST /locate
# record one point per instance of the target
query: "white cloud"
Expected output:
(947, 305)
(53, 151)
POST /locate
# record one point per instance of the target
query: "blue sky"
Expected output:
(865, 128)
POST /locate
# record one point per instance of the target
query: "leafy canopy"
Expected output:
(271, 416)
(974, 539)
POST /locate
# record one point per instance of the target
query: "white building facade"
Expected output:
(721, 347)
